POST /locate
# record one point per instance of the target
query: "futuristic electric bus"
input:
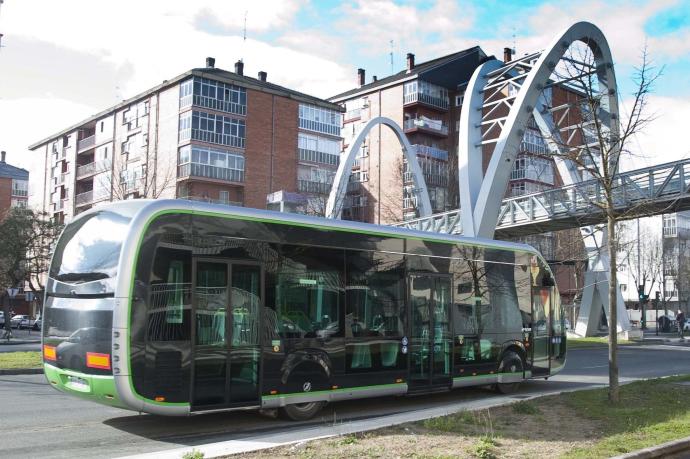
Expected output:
(172, 307)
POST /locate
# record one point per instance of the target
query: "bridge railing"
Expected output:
(646, 191)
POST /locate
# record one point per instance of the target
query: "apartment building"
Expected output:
(425, 100)
(14, 186)
(207, 134)
(675, 291)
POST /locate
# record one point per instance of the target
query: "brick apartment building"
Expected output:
(426, 100)
(14, 185)
(207, 134)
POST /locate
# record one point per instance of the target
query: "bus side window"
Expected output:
(309, 292)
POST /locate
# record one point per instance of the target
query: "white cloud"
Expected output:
(661, 141)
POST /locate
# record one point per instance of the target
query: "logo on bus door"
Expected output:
(306, 387)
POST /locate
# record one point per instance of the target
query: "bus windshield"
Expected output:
(89, 249)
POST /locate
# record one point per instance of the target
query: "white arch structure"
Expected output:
(342, 176)
(499, 101)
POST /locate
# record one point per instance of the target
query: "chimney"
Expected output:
(210, 62)
(374, 79)
(2, 156)
(410, 62)
(239, 67)
(360, 77)
(507, 55)
(262, 75)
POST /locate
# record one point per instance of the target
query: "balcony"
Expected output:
(426, 125)
(431, 152)
(61, 179)
(212, 201)
(534, 148)
(429, 179)
(352, 115)
(92, 168)
(212, 172)
(433, 101)
(309, 186)
(85, 144)
(83, 198)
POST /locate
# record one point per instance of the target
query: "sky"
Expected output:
(62, 61)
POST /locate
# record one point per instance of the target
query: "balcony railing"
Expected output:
(85, 144)
(309, 186)
(353, 114)
(534, 148)
(439, 102)
(435, 126)
(20, 193)
(432, 152)
(429, 179)
(208, 171)
(92, 168)
(212, 201)
(83, 198)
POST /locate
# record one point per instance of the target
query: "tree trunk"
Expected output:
(614, 390)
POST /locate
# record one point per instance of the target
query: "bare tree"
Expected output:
(139, 179)
(588, 142)
(643, 257)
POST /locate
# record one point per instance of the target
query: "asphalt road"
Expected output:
(40, 422)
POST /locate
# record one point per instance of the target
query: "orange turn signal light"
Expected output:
(49, 352)
(96, 360)
(159, 399)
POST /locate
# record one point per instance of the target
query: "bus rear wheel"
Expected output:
(301, 411)
(510, 363)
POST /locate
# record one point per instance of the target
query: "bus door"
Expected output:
(542, 313)
(430, 340)
(226, 352)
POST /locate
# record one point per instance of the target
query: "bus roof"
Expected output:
(147, 208)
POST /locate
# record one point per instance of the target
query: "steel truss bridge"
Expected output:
(501, 100)
(638, 193)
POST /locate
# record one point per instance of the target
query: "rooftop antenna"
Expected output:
(244, 34)
(514, 50)
(1, 35)
(391, 55)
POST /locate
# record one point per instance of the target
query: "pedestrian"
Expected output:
(680, 320)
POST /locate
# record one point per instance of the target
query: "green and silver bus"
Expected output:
(174, 308)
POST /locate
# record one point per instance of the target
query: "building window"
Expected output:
(19, 203)
(319, 119)
(459, 99)
(20, 188)
(186, 126)
(213, 94)
(224, 196)
(218, 129)
(208, 162)
(318, 149)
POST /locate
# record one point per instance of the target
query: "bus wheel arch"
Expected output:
(306, 372)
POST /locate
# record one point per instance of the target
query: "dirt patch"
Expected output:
(523, 430)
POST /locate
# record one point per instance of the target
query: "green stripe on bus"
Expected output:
(492, 375)
(331, 391)
(101, 388)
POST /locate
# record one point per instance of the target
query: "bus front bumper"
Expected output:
(100, 389)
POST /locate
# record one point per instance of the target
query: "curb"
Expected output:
(671, 447)
(12, 343)
(22, 371)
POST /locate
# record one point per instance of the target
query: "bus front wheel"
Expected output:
(301, 411)
(510, 363)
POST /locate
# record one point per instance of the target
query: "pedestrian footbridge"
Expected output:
(638, 193)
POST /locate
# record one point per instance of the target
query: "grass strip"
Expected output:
(575, 425)
(20, 360)
(594, 341)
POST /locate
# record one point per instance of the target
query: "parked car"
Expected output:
(38, 323)
(686, 326)
(27, 322)
(2, 319)
(16, 320)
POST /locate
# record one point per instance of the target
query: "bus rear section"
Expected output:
(79, 304)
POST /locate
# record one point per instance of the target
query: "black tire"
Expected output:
(301, 411)
(510, 363)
